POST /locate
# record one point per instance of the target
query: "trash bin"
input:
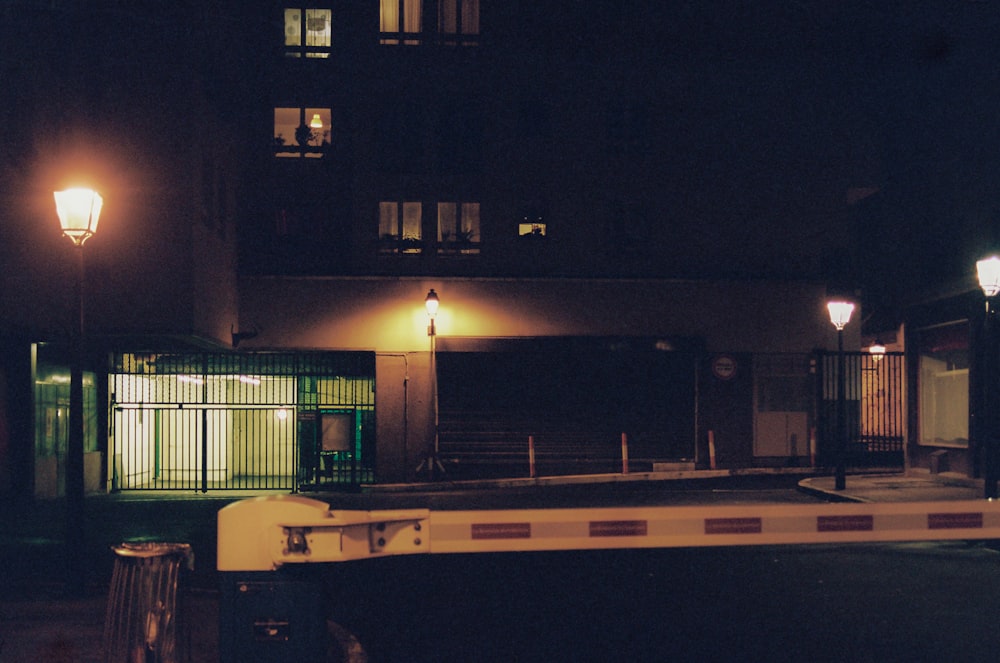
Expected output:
(144, 615)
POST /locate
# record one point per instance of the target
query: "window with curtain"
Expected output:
(399, 21)
(307, 32)
(301, 132)
(400, 227)
(458, 21)
(458, 227)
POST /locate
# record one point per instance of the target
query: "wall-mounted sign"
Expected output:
(724, 367)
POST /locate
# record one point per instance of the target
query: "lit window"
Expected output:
(399, 21)
(399, 227)
(532, 223)
(458, 21)
(531, 229)
(944, 361)
(458, 227)
(309, 37)
(301, 132)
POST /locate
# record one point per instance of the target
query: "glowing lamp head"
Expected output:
(431, 303)
(877, 350)
(840, 313)
(988, 270)
(79, 211)
(316, 122)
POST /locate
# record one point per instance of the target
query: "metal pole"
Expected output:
(75, 539)
(990, 392)
(841, 471)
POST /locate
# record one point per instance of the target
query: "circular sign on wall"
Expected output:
(724, 367)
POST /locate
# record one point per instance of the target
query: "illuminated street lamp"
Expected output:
(432, 462)
(877, 351)
(431, 303)
(840, 315)
(79, 211)
(988, 271)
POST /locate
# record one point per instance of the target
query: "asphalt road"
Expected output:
(871, 602)
(886, 602)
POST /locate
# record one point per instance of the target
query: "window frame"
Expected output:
(303, 49)
(397, 237)
(403, 19)
(280, 146)
(467, 239)
(465, 30)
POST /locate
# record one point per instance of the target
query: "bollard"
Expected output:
(144, 615)
(531, 456)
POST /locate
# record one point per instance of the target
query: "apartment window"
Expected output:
(532, 223)
(399, 21)
(458, 228)
(301, 132)
(307, 33)
(399, 227)
(458, 21)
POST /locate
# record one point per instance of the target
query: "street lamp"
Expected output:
(877, 351)
(432, 461)
(988, 271)
(840, 315)
(79, 211)
(431, 302)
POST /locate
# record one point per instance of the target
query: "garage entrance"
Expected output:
(574, 396)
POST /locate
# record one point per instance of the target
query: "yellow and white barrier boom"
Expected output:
(265, 533)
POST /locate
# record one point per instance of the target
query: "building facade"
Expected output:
(633, 217)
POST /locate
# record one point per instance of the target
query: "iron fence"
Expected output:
(874, 405)
(227, 421)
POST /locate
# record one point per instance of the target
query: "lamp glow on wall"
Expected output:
(79, 211)
(988, 271)
(840, 316)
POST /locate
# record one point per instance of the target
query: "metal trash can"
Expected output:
(144, 615)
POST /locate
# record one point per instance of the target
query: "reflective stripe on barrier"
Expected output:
(265, 533)
(650, 527)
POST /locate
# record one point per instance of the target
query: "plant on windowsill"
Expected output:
(461, 241)
(411, 245)
(389, 243)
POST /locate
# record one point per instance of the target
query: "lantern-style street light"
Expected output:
(840, 315)
(79, 211)
(988, 271)
(431, 303)
(432, 462)
(877, 351)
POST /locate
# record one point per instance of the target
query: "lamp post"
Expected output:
(877, 351)
(78, 210)
(840, 315)
(988, 271)
(431, 303)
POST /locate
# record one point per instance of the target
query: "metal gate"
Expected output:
(873, 402)
(241, 421)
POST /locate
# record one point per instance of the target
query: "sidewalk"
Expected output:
(48, 627)
(914, 486)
